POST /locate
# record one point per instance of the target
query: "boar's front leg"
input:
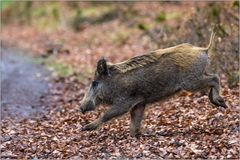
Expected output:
(114, 111)
(137, 114)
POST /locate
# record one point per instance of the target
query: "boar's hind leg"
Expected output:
(113, 112)
(212, 81)
(137, 113)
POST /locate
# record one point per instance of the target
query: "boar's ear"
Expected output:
(102, 67)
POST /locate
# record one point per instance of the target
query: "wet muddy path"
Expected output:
(23, 84)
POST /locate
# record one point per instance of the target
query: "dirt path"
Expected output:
(23, 83)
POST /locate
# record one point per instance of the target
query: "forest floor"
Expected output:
(185, 126)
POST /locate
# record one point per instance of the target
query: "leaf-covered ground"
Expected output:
(185, 126)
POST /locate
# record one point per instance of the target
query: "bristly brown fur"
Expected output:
(177, 53)
(133, 63)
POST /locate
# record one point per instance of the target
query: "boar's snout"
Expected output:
(87, 106)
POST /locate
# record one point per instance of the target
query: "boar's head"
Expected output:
(97, 90)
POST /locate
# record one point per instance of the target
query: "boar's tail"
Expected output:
(212, 37)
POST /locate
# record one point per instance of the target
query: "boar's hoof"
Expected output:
(82, 111)
(218, 102)
(135, 134)
(221, 102)
(90, 127)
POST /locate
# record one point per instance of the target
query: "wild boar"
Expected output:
(132, 84)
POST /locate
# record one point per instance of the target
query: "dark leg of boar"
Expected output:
(137, 114)
(208, 81)
(111, 113)
(114, 111)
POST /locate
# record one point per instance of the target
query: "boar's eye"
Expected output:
(94, 84)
